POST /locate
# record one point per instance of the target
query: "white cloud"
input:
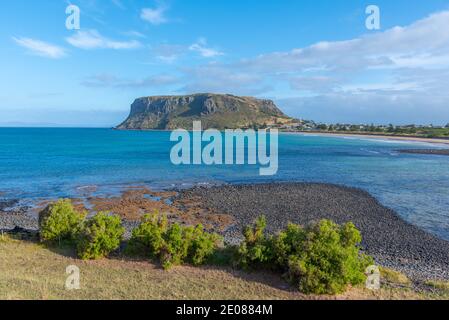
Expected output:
(216, 78)
(203, 50)
(313, 83)
(168, 53)
(154, 16)
(92, 39)
(134, 34)
(372, 106)
(119, 4)
(41, 48)
(425, 42)
(111, 81)
(399, 74)
(328, 66)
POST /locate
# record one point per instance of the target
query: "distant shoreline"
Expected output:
(315, 133)
(342, 134)
(376, 136)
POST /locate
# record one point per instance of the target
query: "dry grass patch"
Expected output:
(394, 277)
(440, 285)
(30, 271)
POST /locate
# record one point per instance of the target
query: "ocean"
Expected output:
(43, 163)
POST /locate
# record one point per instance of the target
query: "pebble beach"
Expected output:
(393, 242)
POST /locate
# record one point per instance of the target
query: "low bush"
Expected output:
(224, 256)
(329, 259)
(174, 250)
(60, 222)
(323, 258)
(148, 238)
(202, 245)
(287, 243)
(256, 251)
(100, 236)
(172, 244)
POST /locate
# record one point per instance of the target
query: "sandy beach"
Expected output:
(379, 136)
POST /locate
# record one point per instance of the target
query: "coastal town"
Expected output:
(425, 131)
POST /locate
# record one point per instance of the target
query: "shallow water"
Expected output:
(40, 163)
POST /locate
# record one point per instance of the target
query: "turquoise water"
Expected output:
(42, 163)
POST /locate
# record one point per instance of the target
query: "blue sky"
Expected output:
(316, 59)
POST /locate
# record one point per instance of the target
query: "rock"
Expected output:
(218, 111)
(388, 238)
(22, 234)
(439, 152)
(6, 204)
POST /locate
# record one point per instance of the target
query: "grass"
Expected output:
(31, 271)
(427, 132)
(394, 277)
(440, 285)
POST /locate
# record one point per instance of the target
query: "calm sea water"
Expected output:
(40, 163)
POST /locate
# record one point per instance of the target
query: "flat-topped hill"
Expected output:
(218, 111)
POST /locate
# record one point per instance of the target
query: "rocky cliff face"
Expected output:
(214, 110)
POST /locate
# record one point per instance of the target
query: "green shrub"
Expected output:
(224, 256)
(60, 222)
(323, 258)
(148, 238)
(256, 250)
(329, 259)
(100, 236)
(172, 244)
(288, 243)
(202, 245)
(175, 247)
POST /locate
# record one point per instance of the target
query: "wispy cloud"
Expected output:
(92, 39)
(155, 16)
(201, 47)
(118, 4)
(384, 75)
(214, 77)
(168, 53)
(339, 65)
(134, 34)
(415, 45)
(41, 48)
(112, 81)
